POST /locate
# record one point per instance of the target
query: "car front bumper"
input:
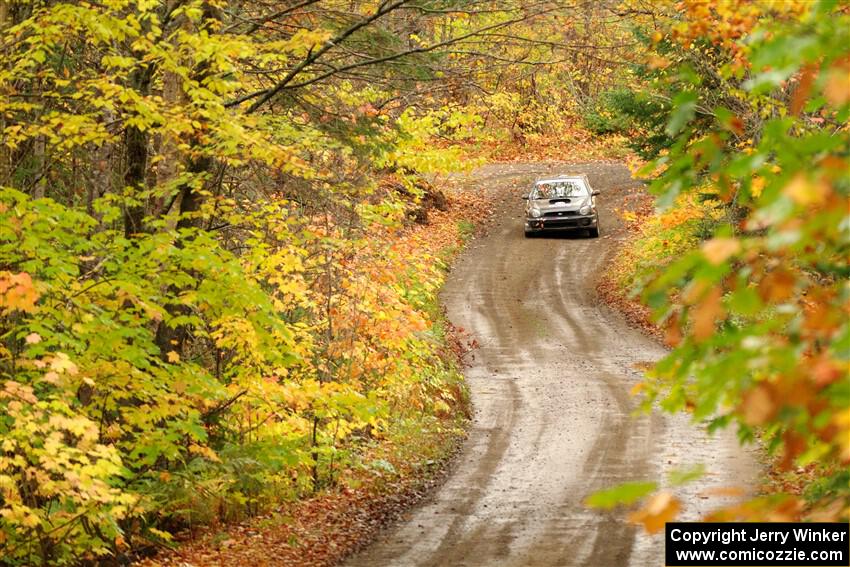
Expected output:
(577, 222)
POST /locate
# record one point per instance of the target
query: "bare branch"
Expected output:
(426, 49)
(384, 9)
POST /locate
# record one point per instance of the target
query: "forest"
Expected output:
(225, 224)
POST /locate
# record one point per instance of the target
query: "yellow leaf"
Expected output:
(804, 192)
(757, 187)
(842, 422)
(30, 520)
(61, 363)
(173, 356)
(204, 451)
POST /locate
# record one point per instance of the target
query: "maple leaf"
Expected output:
(17, 292)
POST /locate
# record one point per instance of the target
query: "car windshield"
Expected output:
(559, 189)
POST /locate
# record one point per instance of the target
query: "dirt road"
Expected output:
(550, 386)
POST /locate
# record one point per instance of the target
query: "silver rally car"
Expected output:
(565, 202)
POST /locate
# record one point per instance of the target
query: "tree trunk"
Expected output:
(167, 338)
(136, 159)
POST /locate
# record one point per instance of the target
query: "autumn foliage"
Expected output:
(745, 265)
(203, 310)
(213, 294)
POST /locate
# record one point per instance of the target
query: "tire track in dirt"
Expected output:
(553, 418)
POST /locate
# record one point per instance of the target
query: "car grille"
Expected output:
(566, 223)
(560, 214)
(561, 223)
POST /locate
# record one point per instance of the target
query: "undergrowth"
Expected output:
(379, 472)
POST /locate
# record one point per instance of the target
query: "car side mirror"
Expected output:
(595, 192)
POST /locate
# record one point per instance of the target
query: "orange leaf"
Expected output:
(17, 292)
(821, 318)
(757, 405)
(777, 285)
(805, 192)
(658, 62)
(706, 314)
(660, 509)
(718, 250)
(795, 444)
(673, 332)
(694, 291)
(801, 94)
(724, 491)
(837, 88)
(824, 371)
(736, 124)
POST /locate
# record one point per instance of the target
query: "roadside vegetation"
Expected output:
(219, 254)
(743, 265)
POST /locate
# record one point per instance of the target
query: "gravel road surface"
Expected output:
(553, 415)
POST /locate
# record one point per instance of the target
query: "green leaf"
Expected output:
(745, 301)
(679, 477)
(684, 108)
(621, 495)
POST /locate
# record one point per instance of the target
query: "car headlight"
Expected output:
(535, 213)
(585, 210)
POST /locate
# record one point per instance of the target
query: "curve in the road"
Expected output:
(553, 416)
